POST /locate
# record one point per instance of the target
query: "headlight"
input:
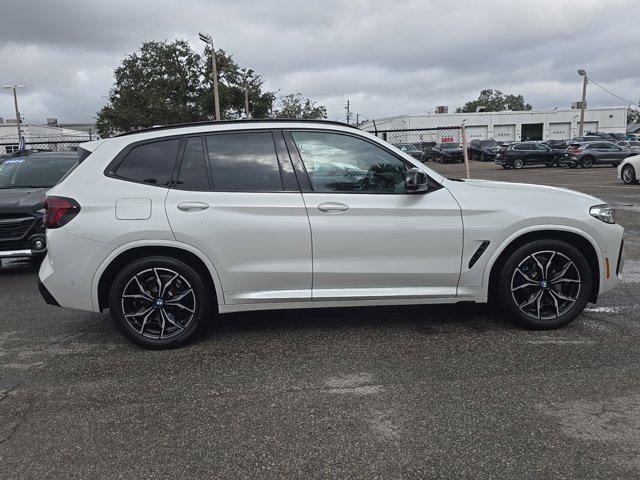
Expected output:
(606, 213)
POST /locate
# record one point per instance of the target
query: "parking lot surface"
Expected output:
(398, 392)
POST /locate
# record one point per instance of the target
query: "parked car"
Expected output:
(587, 154)
(586, 138)
(557, 144)
(411, 149)
(619, 136)
(24, 180)
(167, 227)
(629, 170)
(632, 145)
(603, 136)
(519, 154)
(425, 147)
(447, 152)
(483, 150)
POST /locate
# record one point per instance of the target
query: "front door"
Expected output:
(234, 201)
(370, 237)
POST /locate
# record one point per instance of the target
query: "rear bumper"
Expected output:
(46, 295)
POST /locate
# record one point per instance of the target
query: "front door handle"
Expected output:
(187, 206)
(332, 207)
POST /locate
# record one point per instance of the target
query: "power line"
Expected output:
(611, 93)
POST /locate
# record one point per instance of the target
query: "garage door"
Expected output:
(588, 127)
(559, 131)
(478, 132)
(504, 133)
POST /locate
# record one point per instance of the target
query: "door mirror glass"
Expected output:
(416, 181)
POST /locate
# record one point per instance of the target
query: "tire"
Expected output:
(518, 163)
(555, 303)
(629, 175)
(180, 282)
(587, 162)
(561, 163)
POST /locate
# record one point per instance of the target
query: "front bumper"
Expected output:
(26, 253)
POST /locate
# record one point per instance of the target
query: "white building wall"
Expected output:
(608, 120)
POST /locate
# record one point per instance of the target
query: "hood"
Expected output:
(527, 188)
(22, 199)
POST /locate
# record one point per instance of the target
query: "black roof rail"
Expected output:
(241, 121)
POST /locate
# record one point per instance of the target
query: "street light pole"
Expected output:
(15, 103)
(206, 38)
(583, 102)
(246, 93)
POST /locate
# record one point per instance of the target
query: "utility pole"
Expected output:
(357, 119)
(206, 38)
(15, 103)
(246, 93)
(583, 102)
(348, 112)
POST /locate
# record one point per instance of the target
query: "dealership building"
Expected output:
(509, 126)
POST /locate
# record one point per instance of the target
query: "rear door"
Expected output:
(371, 239)
(236, 199)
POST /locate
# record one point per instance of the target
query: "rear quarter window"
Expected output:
(150, 163)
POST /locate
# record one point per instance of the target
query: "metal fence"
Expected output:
(57, 143)
(443, 149)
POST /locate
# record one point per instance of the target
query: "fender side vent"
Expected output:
(483, 246)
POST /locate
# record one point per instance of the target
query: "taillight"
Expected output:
(60, 211)
(577, 150)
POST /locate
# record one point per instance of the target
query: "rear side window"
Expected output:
(244, 162)
(193, 170)
(150, 163)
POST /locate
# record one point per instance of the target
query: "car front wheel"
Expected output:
(629, 175)
(518, 163)
(159, 302)
(545, 284)
(587, 162)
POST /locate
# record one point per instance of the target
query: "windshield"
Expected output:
(488, 143)
(32, 172)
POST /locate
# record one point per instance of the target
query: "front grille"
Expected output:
(15, 226)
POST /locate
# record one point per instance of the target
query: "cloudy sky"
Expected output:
(386, 56)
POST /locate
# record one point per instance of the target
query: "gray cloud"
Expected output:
(387, 57)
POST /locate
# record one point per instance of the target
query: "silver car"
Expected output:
(587, 154)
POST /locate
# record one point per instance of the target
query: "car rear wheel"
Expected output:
(629, 175)
(159, 302)
(518, 163)
(545, 284)
(587, 162)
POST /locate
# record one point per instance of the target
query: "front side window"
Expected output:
(193, 170)
(342, 163)
(244, 162)
(150, 163)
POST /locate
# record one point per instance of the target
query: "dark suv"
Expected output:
(483, 150)
(24, 181)
(587, 154)
(517, 155)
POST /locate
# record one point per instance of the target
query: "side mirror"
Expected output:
(416, 181)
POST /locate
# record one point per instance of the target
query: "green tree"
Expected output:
(161, 84)
(231, 89)
(494, 101)
(168, 82)
(296, 106)
(633, 115)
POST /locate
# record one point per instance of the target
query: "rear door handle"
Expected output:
(332, 207)
(187, 206)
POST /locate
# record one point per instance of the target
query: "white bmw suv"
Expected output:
(168, 226)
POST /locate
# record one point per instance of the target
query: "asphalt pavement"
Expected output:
(394, 392)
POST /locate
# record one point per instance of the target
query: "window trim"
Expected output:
(303, 176)
(113, 166)
(176, 173)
